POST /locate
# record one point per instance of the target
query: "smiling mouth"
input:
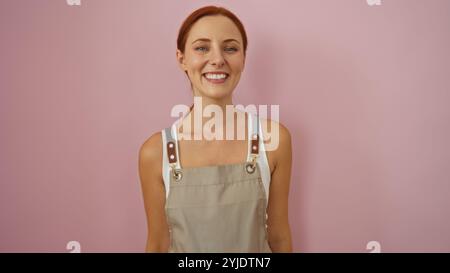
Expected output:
(216, 78)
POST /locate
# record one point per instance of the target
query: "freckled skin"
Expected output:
(223, 52)
(214, 55)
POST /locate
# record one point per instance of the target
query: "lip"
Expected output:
(216, 81)
(216, 72)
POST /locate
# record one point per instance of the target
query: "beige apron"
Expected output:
(219, 208)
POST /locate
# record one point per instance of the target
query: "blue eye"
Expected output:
(197, 48)
(228, 49)
(232, 49)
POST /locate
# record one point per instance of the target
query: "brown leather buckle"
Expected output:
(171, 152)
(255, 144)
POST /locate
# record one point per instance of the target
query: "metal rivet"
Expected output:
(250, 168)
(254, 148)
(170, 145)
(178, 175)
(172, 156)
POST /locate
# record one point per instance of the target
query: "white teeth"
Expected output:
(215, 76)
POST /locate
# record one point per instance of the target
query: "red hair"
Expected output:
(208, 11)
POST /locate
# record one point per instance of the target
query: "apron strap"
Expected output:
(253, 140)
(171, 147)
(254, 150)
(172, 153)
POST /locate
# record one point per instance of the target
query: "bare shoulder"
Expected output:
(150, 154)
(275, 134)
(277, 141)
(151, 149)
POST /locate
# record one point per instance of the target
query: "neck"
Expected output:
(206, 110)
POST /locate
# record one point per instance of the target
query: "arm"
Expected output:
(279, 232)
(150, 174)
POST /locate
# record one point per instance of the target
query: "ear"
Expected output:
(181, 60)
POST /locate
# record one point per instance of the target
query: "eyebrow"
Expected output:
(208, 40)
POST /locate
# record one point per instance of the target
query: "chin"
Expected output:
(217, 94)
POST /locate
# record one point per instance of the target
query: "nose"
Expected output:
(217, 57)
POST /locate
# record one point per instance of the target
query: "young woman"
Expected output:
(215, 195)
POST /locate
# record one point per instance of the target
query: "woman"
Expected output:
(215, 195)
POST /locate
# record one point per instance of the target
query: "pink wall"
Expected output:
(363, 89)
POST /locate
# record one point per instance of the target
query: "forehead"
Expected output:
(214, 27)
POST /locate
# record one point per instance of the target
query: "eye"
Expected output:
(200, 48)
(231, 49)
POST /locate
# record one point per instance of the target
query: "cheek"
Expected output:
(195, 64)
(236, 66)
(236, 62)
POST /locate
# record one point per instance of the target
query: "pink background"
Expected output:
(364, 91)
